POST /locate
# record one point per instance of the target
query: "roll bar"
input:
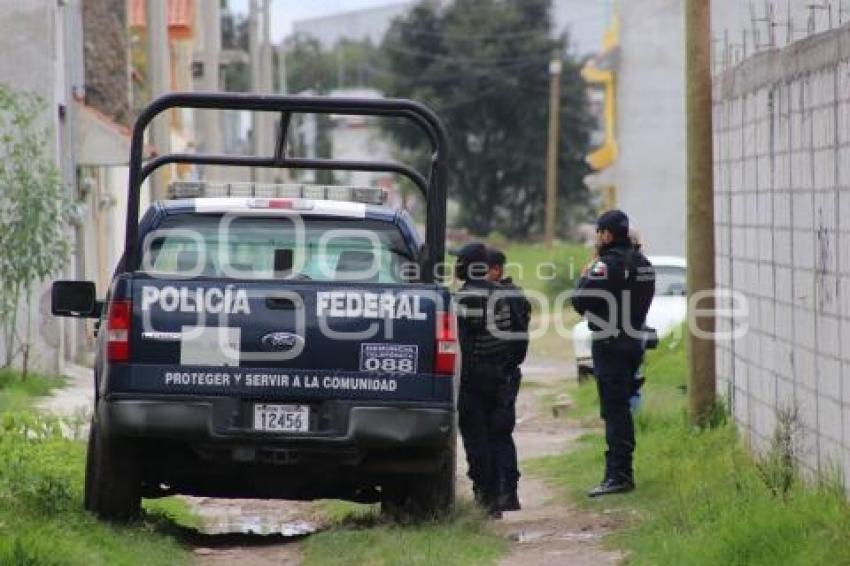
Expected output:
(433, 187)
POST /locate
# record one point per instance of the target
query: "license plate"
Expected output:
(282, 418)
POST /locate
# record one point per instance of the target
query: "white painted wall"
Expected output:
(782, 223)
(650, 172)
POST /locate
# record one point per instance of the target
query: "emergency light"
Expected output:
(348, 193)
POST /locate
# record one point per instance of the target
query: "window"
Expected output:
(249, 247)
(670, 280)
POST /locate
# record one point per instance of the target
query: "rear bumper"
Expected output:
(225, 421)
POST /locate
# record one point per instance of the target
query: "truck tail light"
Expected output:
(446, 346)
(118, 331)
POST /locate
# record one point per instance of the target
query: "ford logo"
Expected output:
(281, 341)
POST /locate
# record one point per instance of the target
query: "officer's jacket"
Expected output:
(623, 274)
(482, 314)
(520, 319)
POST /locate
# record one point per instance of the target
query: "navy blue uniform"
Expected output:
(505, 448)
(627, 278)
(484, 377)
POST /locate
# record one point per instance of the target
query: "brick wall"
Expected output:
(782, 221)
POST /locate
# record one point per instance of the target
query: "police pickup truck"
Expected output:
(274, 341)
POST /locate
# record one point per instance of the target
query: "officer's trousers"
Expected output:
(476, 418)
(615, 362)
(505, 449)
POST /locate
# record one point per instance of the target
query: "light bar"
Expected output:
(346, 193)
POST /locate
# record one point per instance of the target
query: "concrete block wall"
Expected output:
(782, 221)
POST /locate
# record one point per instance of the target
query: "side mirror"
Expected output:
(75, 299)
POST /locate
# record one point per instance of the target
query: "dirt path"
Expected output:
(257, 533)
(548, 531)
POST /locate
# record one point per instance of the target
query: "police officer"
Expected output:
(615, 292)
(482, 314)
(505, 449)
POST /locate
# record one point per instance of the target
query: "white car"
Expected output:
(668, 310)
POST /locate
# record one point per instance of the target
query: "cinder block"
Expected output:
(844, 255)
(829, 419)
(804, 366)
(765, 275)
(845, 341)
(768, 353)
(844, 164)
(782, 246)
(767, 314)
(829, 377)
(804, 248)
(825, 210)
(784, 393)
(740, 409)
(827, 294)
(828, 335)
(784, 321)
(781, 209)
(804, 288)
(831, 454)
(765, 246)
(824, 168)
(808, 409)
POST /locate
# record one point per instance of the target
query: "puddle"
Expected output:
(257, 526)
(255, 517)
(524, 537)
(581, 536)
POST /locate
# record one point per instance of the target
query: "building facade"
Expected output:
(640, 166)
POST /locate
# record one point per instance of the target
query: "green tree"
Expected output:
(483, 66)
(33, 216)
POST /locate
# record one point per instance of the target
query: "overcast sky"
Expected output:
(284, 12)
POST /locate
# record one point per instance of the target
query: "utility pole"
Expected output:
(212, 49)
(261, 79)
(281, 69)
(701, 362)
(159, 75)
(552, 149)
(256, 80)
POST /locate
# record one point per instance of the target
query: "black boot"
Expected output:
(509, 501)
(612, 485)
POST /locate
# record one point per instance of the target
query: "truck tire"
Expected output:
(421, 497)
(113, 483)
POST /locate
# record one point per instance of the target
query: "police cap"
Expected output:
(473, 252)
(472, 261)
(496, 257)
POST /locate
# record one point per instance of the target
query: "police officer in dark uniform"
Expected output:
(614, 293)
(481, 315)
(505, 449)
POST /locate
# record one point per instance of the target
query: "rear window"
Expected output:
(318, 249)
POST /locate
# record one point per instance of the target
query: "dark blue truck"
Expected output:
(274, 341)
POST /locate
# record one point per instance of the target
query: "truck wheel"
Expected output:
(113, 484)
(421, 497)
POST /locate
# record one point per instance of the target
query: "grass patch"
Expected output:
(702, 498)
(567, 259)
(362, 536)
(172, 510)
(17, 394)
(41, 481)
